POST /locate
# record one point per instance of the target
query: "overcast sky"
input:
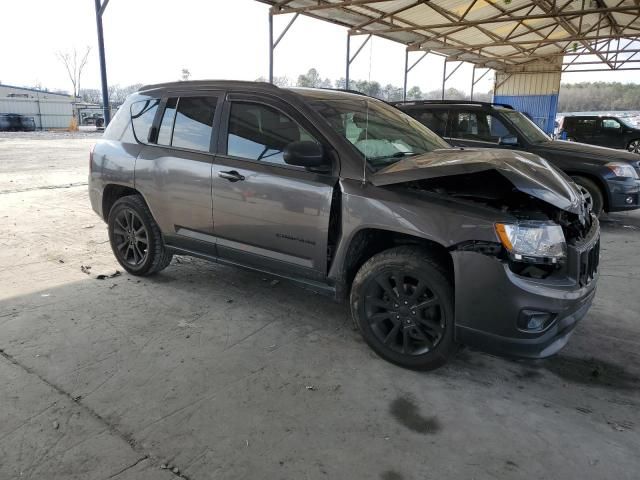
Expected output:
(150, 41)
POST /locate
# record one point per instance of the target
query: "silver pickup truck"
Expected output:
(433, 246)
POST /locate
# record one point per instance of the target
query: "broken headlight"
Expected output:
(533, 241)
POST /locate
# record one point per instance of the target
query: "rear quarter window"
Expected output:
(119, 129)
(142, 114)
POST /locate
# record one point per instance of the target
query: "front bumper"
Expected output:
(491, 300)
(624, 194)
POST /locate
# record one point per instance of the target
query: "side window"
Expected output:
(478, 126)
(166, 126)
(586, 125)
(142, 114)
(435, 120)
(260, 132)
(119, 128)
(194, 123)
(610, 123)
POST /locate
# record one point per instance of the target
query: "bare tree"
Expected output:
(185, 74)
(74, 63)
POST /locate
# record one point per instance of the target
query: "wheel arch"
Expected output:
(112, 193)
(369, 241)
(595, 179)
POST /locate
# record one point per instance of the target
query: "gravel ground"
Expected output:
(220, 373)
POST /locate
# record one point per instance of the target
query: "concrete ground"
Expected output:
(217, 373)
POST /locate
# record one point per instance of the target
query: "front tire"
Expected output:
(402, 301)
(592, 194)
(135, 237)
(634, 146)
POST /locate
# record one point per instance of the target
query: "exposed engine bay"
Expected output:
(491, 189)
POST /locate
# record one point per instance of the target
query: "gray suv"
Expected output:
(432, 246)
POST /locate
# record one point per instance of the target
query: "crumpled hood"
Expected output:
(594, 152)
(528, 173)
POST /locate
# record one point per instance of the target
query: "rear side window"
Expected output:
(142, 115)
(119, 129)
(585, 125)
(194, 123)
(260, 132)
(479, 126)
(435, 120)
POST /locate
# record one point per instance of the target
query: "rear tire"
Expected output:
(402, 301)
(135, 237)
(592, 193)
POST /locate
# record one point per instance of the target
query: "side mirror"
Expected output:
(304, 154)
(508, 141)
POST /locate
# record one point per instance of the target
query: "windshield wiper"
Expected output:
(395, 155)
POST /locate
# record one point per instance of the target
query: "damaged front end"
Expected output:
(541, 241)
(550, 224)
(521, 290)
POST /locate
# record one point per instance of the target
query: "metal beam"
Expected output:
(100, 8)
(325, 6)
(572, 14)
(273, 45)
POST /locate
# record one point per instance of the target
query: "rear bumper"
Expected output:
(623, 194)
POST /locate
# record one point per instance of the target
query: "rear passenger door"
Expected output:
(476, 128)
(173, 171)
(269, 214)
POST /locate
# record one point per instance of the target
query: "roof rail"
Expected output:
(206, 83)
(451, 102)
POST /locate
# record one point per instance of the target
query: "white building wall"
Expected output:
(49, 110)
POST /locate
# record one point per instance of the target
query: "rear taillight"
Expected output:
(93, 147)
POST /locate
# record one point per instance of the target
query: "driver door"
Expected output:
(609, 133)
(268, 214)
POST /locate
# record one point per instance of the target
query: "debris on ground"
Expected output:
(313, 388)
(164, 466)
(85, 269)
(104, 277)
(61, 261)
(56, 425)
(274, 282)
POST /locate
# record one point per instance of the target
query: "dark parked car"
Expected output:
(94, 119)
(349, 196)
(608, 178)
(606, 131)
(13, 122)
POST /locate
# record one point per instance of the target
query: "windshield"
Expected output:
(530, 130)
(381, 133)
(626, 122)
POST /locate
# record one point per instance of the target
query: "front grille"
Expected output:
(584, 255)
(588, 268)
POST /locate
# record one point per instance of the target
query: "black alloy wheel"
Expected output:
(402, 302)
(131, 236)
(403, 313)
(135, 237)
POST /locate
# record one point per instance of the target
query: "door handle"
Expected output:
(232, 176)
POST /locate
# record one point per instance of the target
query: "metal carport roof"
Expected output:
(501, 35)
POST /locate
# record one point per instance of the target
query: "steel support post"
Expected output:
(100, 7)
(407, 69)
(272, 44)
(270, 47)
(350, 59)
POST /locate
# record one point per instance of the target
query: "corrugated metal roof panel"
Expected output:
(475, 25)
